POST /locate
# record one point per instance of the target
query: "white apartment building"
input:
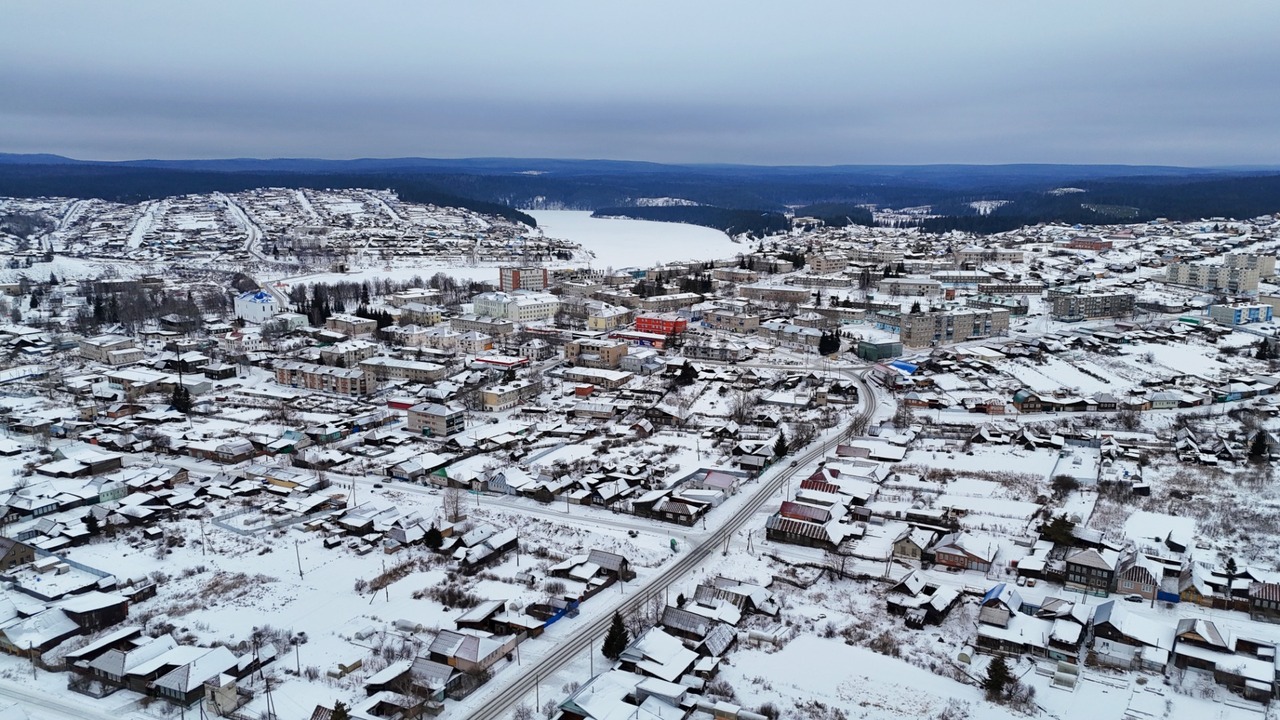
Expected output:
(519, 306)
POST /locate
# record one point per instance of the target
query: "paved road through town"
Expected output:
(518, 687)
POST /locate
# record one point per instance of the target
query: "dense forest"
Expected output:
(1112, 201)
(836, 214)
(753, 223)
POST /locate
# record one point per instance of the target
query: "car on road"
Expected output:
(1134, 598)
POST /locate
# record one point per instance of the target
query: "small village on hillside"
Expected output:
(331, 454)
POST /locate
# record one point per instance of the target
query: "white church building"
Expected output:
(258, 306)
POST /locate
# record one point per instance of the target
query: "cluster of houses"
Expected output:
(977, 378)
(50, 600)
(1241, 656)
(663, 671)
(299, 225)
(1092, 601)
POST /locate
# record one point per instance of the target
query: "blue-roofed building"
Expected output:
(257, 306)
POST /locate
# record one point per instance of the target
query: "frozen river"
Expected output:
(635, 243)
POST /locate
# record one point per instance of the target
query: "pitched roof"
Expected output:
(674, 618)
(192, 675)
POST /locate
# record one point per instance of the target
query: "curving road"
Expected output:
(501, 701)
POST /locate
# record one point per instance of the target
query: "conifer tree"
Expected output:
(615, 641)
(997, 679)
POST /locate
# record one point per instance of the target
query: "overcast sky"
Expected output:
(1169, 82)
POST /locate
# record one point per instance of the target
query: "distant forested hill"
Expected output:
(974, 198)
(119, 183)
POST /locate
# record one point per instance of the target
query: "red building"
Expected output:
(1089, 243)
(511, 279)
(661, 324)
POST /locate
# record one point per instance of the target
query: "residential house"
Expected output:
(658, 654)
(1142, 577)
(1264, 601)
(470, 653)
(1093, 571)
(919, 601)
(964, 551)
(14, 553)
(912, 543)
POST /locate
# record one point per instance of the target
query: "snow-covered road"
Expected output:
(495, 703)
(42, 704)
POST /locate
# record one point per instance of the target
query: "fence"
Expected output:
(79, 566)
(249, 532)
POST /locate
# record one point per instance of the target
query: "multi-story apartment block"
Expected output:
(732, 320)
(343, 381)
(942, 327)
(735, 275)
(826, 262)
(876, 256)
(420, 296)
(351, 325)
(975, 255)
(1090, 243)
(668, 303)
(603, 316)
(776, 293)
(407, 335)
(348, 353)
(519, 306)
(472, 342)
(111, 350)
(416, 313)
(1010, 288)
(488, 325)
(1072, 306)
(436, 420)
(1234, 280)
(908, 286)
(385, 368)
(511, 279)
(1241, 313)
(1016, 306)
(723, 352)
(661, 323)
(509, 395)
(1264, 264)
(596, 353)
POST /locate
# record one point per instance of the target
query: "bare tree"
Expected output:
(451, 504)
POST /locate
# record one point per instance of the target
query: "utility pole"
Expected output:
(298, 554)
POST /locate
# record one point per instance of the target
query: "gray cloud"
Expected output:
(819, 83)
